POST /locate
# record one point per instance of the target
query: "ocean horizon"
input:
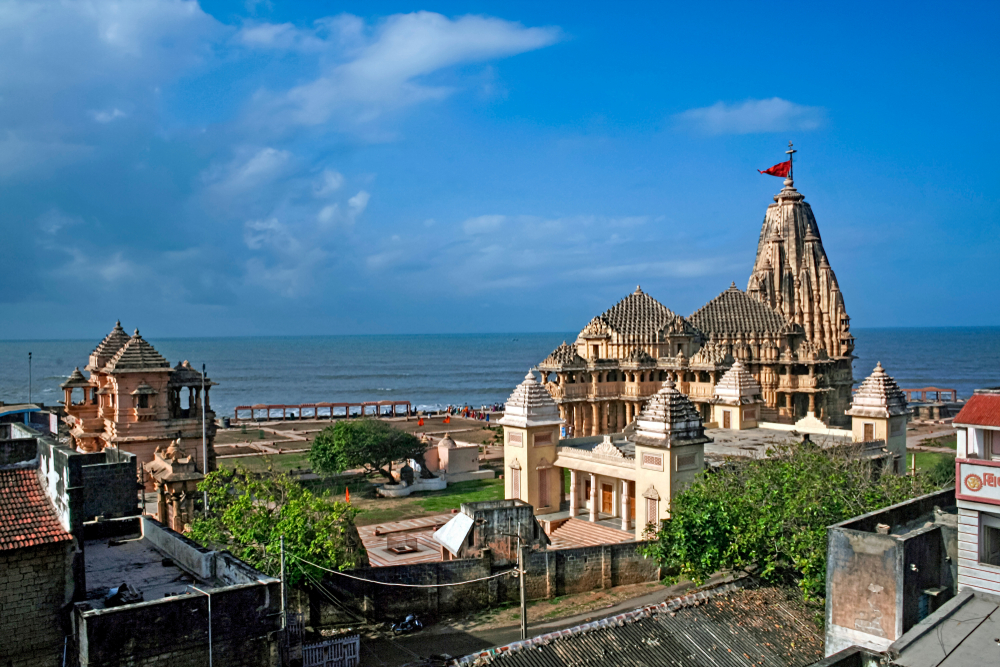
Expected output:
(436, 370)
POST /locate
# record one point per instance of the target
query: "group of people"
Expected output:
(468, 412)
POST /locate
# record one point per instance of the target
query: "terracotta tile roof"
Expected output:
(136, 355)
(26, 517)
(735, 311)
(980, 410)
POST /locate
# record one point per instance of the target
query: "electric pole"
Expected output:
(520, 576)
(204, 438)
(29, 377)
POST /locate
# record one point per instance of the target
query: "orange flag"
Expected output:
(348, 489)
(447, 420)
(420, 422)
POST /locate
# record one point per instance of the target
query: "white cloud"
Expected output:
(384, 71)
(751, 117)
(247, 171)
(329, 182)
(358, 203)
(483, 224)
(54, 220)
(108, 116)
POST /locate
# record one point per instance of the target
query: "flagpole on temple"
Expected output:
(790, 153)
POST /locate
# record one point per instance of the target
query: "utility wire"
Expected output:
(386, 583)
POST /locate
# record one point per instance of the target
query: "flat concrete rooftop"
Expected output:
(133, 560)
(754, 442)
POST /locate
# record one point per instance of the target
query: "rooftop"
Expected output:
(734, 311)
(962, 632)
(27, 519)
(982, 409)
(638, 314)
(136, 355)
(770, 627)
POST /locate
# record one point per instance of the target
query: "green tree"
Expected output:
(249, 513)
(943, 472)
(370, 444)
(771, 514)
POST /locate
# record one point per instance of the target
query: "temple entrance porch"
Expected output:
(596, 498)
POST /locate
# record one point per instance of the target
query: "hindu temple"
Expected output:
(134, 400)
(789, 331)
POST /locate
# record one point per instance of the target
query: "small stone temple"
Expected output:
(135, 401)
(789, 330)
(879, 413)
(607, 474)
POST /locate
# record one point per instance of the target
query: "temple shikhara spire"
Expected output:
(793, 276)
(789, 331)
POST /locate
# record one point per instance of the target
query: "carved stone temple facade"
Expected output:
(627, 478)
(789, 330)
(135, 401)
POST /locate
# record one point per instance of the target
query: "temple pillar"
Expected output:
(161, 505)
(593, 497)
(578, 410)
(562, 413)
(595, 426)
(574, 494)
(812, 403)
(626, 524)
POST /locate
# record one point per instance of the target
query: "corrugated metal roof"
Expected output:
(980, 410)
(766, 627)
(452, 534)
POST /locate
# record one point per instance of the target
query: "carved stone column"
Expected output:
(595, 426)
(626, 525)
(574, 494)
(593, 497)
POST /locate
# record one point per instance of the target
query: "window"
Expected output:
(652, 461)
(992, 442)
(989, 540)
(515, 483)
(596, 351)
(543, 488)
(143, 401)
(652, 510)
(869, 431)
(687, 461)
(515, 438)
(543, 439)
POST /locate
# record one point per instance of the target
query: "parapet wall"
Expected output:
(550, 573)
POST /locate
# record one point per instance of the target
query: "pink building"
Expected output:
(135, 401)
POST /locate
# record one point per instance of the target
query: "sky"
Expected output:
(231, 168)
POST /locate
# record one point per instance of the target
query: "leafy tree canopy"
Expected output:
(370, 444)
(249, 513)
(772, 514)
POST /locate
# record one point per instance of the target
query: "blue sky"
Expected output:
(242, 168)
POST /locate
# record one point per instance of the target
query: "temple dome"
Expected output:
(530, 405)
(137, 355)
(108, 347)
(75, 379)
(637, 315)
(734, 311)
(564, 356)
(737, 387)
(670, 420)
(878, 396)
(446, 442)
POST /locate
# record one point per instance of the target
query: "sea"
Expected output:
(434, 371)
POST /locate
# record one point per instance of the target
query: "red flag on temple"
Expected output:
(781, 169)
(348, 489)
